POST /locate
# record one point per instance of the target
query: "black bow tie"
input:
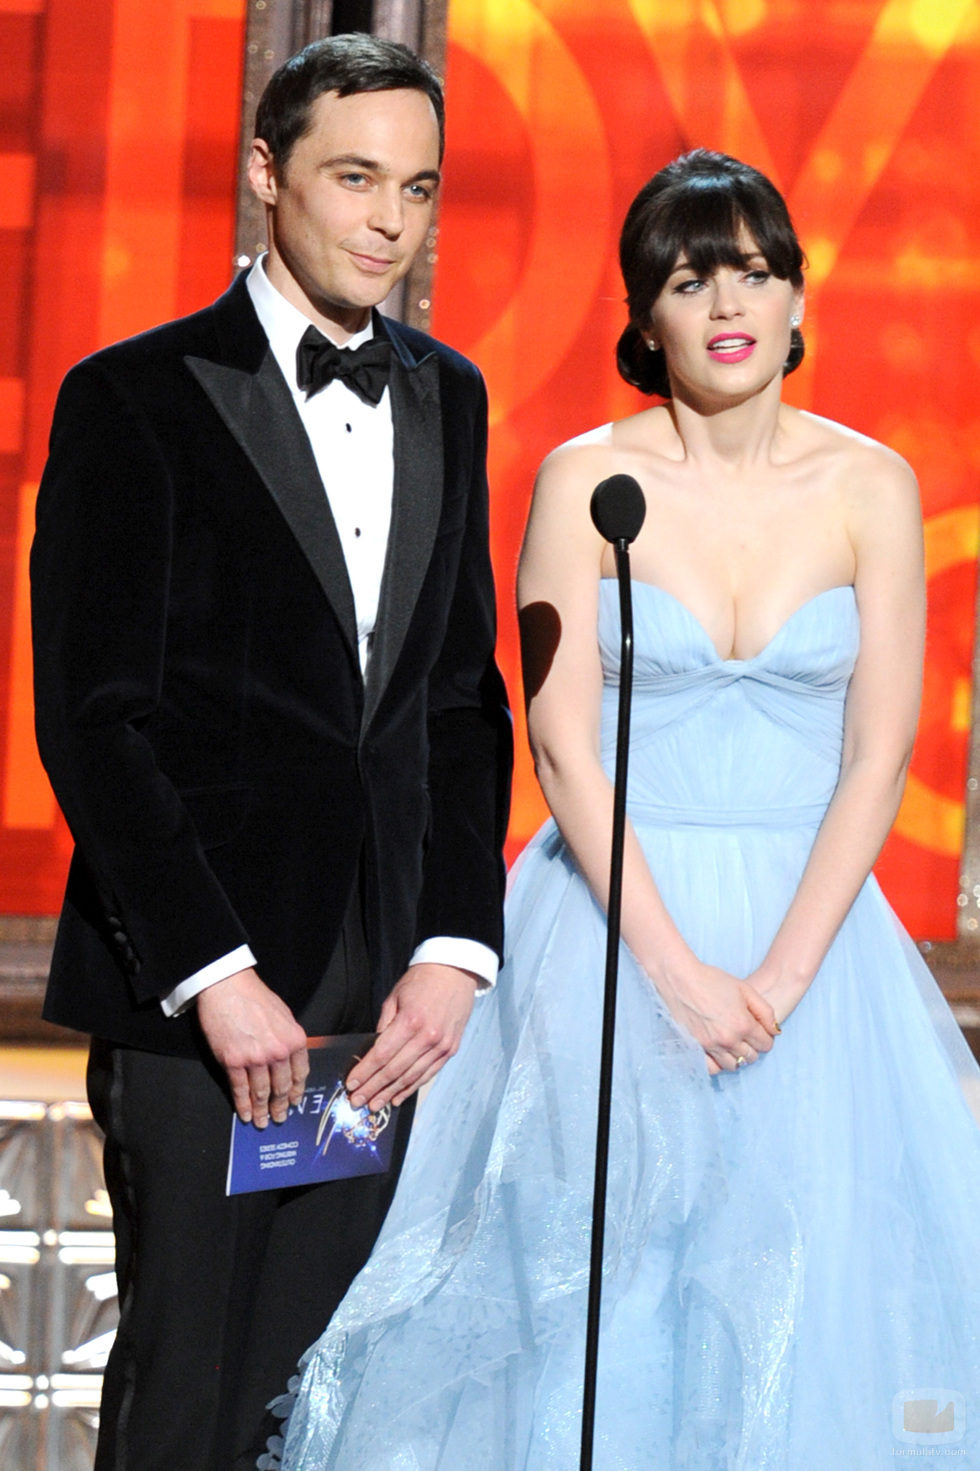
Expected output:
(364, 369)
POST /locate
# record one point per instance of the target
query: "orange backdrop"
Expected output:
(117, 190)
(116, 212)
(867, 116)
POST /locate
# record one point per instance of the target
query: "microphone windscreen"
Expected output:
(618, 508)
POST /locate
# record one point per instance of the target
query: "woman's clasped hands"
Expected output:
(729, 1018)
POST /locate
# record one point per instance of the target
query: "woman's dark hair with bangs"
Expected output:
(346, 64)
(697, 206)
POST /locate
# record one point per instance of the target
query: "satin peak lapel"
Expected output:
(416, 508)
(259, 412)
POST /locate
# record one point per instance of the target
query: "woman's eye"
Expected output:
(758, 277)
(688, 287)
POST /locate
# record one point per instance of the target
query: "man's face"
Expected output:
(353, 204)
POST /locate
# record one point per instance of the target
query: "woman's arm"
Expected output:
(879, 726)
(558, 589)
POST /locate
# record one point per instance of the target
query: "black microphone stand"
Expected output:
(614, 911)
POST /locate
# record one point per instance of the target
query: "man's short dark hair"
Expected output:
(346, 65)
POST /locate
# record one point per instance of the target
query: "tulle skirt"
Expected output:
(792, 1263)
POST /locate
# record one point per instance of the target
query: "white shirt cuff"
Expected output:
(218, 970)
(464, 954)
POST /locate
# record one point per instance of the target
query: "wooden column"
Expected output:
(956, 963)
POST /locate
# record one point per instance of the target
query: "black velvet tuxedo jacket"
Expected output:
(225, 770)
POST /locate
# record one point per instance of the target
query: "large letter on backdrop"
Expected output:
(866, 116)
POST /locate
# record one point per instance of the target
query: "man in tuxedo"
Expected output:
(267, 701)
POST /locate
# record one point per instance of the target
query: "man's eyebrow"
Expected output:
(373, 166)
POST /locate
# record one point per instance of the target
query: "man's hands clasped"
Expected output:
(262, 1047)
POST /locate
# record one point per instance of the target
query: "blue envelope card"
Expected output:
(323, 1137)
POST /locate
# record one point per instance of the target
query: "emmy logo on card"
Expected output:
(929, 1417)
(323, 1137)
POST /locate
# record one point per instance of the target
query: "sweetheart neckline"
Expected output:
(695, 620)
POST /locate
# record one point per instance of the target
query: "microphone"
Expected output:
(618, 508)
(618, 511)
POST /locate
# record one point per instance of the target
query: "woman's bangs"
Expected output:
(704, 228)
(710, 228)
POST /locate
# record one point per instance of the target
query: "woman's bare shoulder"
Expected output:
(578, 455)
(568, 475)
(605, 450)
(861, 467)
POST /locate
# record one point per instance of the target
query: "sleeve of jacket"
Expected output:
(100, 578)
(471, 740)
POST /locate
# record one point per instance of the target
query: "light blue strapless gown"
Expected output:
(792, 1250)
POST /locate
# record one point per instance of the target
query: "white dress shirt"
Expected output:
(353, 446)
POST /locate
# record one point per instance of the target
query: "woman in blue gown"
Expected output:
(792, 1273)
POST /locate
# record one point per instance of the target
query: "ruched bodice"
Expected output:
(724, 741)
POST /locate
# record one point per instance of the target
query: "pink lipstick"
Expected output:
(731, 347)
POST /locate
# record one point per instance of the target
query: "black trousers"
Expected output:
(219, 1295)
